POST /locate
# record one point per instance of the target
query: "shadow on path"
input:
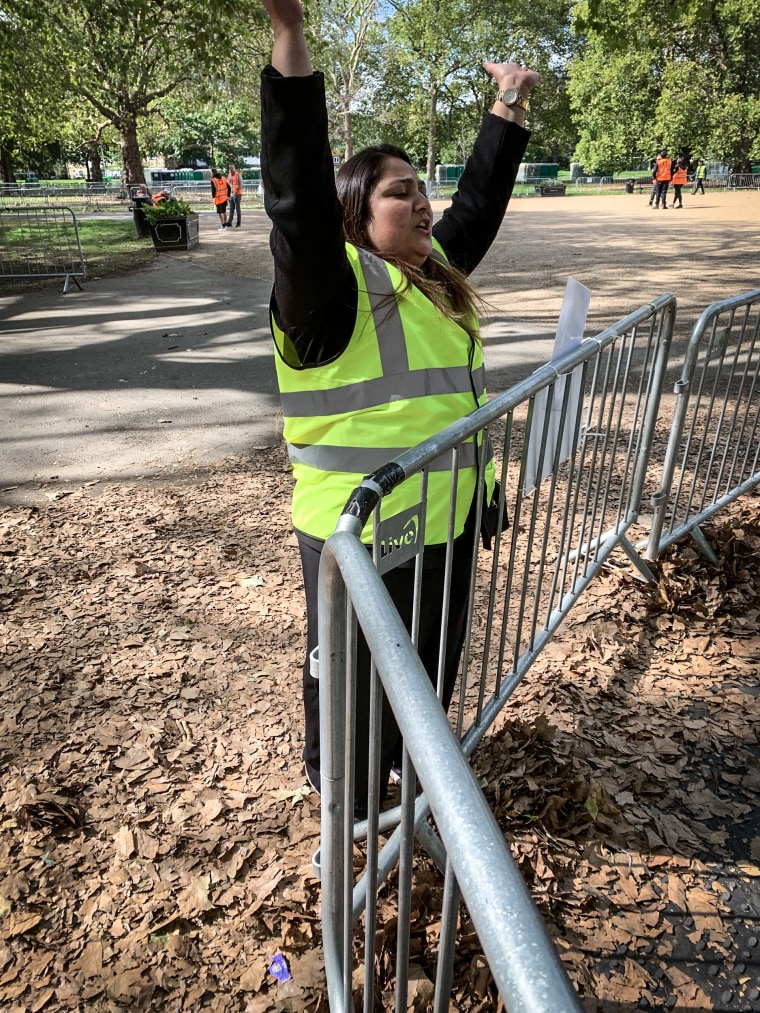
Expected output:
(133, 375)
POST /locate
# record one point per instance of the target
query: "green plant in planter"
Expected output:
(167, 209)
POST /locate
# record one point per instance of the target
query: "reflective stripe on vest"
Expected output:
(391, 388)
(355, 397)
(363, 460)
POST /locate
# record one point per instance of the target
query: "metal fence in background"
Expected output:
(199, 192)
(85, 197)
(574, 441)
(104, 197)
(41, 242)
(713, 453)
(737, 181)
(744, 181)
(114, 196)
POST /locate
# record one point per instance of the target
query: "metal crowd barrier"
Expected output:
(86, 195)
(713, 454)
(718, 181)
(479, 865)
(41, 242)
(599, 183)
(575, 440)
(744, 181)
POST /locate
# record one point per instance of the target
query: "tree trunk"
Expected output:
(6, 165)
(131, 162)
(96, 173)
(431, 134)
(348, 133)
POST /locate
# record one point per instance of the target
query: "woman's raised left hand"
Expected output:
(512, 75)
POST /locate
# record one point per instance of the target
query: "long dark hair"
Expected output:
(446, 286)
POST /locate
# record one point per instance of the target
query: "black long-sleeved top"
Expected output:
(315, 297)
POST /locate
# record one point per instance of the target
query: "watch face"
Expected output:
(509, 96)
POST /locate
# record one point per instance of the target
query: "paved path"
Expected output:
(155, 372)
(172, 368)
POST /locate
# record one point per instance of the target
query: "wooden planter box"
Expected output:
(176, 233)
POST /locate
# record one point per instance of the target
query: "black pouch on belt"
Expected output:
(489, 521)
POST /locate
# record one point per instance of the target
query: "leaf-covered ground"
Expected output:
(156, 841)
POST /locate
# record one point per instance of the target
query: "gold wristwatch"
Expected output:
(512, 97)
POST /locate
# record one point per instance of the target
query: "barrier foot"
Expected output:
(704, 546)
(637, 561)
(69, 279)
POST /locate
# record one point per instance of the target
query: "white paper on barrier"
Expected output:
(570, 327)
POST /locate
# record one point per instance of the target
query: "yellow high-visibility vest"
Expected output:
(408, 371)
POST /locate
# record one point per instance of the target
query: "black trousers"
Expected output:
(661, 192)
(400, 584)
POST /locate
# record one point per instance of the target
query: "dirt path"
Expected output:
(624, 251)
(170, 369)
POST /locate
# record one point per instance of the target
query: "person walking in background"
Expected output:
(220, 191)
(662, 172)
(377, 343)
(653, 167)
(680, 176)
(700, 175)
(235, 183)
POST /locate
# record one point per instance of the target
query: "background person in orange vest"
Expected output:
(235, 183)
(680, 176)
(662, 173)
(220, 190)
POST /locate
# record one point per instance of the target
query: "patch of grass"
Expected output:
(111, 248)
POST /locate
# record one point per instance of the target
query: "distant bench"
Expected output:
(551, 189)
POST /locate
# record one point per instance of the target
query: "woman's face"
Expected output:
(400, 217)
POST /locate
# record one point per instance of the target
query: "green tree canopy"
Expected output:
(123, 56)
(687, 79)
(33, 103)
(214, 132)
(434, 62)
